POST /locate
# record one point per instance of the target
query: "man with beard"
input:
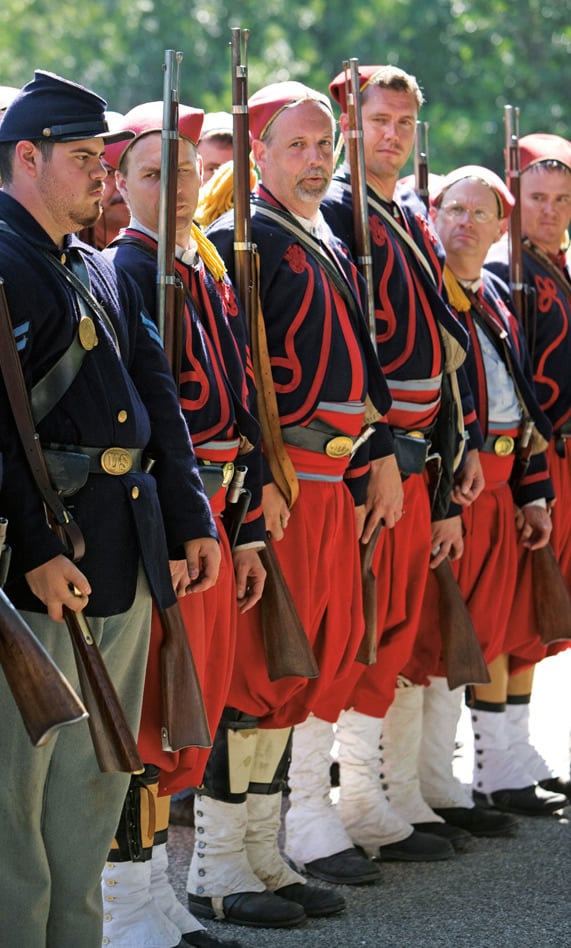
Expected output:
(322, 369)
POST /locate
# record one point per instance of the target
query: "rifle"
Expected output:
(183, 713)
(552, 601)
(421, 180)
(367, 653)
(44, 696)
(287, 649)
(115, 747)
(170, 293)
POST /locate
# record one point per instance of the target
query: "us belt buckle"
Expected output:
(504, 446)
(339, 447)
(228, 472)
(116, 461)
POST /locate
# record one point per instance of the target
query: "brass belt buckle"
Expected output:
(504, 446)
(339, 447)
(116, 461)
(228, 472)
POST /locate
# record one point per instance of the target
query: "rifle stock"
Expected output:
(461, 650)
(367, 653)
(114, 744)
(551, 599)
(286, 645)
(184, 722)
(44, 696)
(184, 714)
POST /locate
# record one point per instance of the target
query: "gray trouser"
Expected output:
(58, 812)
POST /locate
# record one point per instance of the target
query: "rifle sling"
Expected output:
(501, 342)
(13, 376)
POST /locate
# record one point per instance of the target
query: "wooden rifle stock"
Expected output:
(461, 650)
(286, 645)
(551, 599)
(114, 744)
(184, 721)
(511, 119)
(367, 653)
(184, 715)
(44, 696)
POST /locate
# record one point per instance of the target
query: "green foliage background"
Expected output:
(470, 56)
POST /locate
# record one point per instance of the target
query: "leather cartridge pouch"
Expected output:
(411, 452)
(68, 470)
(214, 476)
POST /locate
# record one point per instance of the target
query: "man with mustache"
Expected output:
(323, 368)
(420, 347)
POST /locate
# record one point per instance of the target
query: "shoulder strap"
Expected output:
(13, 376)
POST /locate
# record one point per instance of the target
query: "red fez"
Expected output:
(337, 86)
(409, 182)
(490, 178)
(147, 118)
(266, 104)
(539, 147)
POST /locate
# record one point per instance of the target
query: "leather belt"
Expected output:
(113, 460)
(503, 445)
(320, 438)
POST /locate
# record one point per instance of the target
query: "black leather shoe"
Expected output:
(202, 939)
(418, 847)
(349, 867)
(557, 785)
(258, 909)
(478, 821)
(528, 801)
(459, 838)
(181, 812)
(316, 903)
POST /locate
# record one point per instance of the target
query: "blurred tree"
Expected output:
(470, 56)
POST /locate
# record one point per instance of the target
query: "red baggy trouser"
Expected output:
(401, 566)
(486, 574)
(319, 556)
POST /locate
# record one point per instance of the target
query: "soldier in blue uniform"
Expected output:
(111, 388)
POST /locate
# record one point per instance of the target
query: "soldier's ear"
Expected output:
(26, 157)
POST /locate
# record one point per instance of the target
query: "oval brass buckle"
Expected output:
(339, 447)
(116, 461)
(504, 446)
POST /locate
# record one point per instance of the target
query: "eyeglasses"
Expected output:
(480, 215)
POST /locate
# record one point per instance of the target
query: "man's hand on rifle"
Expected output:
(533, 525)
(276, 511)
(203, 563)
(250, 578)
(447, 540)
(469, 482)
(59, 583)
(385, 496)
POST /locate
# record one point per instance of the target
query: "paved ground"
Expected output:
(502, 893)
